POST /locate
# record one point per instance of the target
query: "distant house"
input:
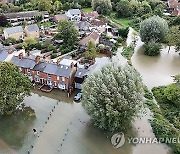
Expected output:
(174, 7)
(98, 25)
(82, 25)
(92, 37)
(28, 16)
(80, 76)
(14, 32)
(90, 15)
(74, 15)
(32, 31)
(60, 17)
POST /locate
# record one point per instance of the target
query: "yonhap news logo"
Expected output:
(118, 140)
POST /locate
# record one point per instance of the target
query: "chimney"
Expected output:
(37, 59)
(21, 55)
(10, 51)
(58, 61)
(28, 53)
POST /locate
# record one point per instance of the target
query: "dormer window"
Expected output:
(37, 72)
(49, 76)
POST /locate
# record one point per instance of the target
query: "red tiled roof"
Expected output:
(93, 36)
(90, 14)
(60, 17)
(97, 22)
(173, 3)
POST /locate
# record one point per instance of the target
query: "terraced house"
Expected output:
(46, 74)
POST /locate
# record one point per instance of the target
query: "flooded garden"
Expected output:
(64, 127)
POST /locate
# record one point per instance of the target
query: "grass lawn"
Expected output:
(121, 21)
(89, 9)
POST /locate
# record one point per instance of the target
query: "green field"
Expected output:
(121, 21)
(87, 9)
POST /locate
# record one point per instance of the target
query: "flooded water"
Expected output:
(156, 71)
(70, 130)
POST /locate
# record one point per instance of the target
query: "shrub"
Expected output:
(152, 49)
(123, 32)
(120, 39)
(53, 55)
(9, 41)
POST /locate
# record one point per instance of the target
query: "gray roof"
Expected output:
(25, 14)
(24, 62)
(6, 48)
(63, 71)
(82, 24)
(81, 72)
(32, 28)
(59, 70)
(13, 30)
(40, 66)
(74, 11)
(3, 55)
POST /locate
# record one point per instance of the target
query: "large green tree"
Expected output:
(113, 96)
(153, 29)
(44, 5)
(90, 53)
(102, 6)
(124, 8)
(68, 33)
(13, 87)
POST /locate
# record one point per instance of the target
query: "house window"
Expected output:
(49, 76)
(55, 83)
(37, 72)
(63, 79)
(28, 71)
(57, 77)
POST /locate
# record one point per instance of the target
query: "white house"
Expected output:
(74, 15)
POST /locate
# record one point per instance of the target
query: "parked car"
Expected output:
(78, 97)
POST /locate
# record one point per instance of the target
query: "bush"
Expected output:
(9, 41)
(53, 55)
(152, 49)
(123, 32)
(120, 39)
(147, 93)
(128, 51)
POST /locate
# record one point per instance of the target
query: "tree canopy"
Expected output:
(102, 6)
(113, 96)
(13, 87)
(153, 29)
(68, 33)
(90, 53)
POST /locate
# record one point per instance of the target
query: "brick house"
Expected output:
(54, 75)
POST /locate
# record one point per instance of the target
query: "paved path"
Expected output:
(54, 131)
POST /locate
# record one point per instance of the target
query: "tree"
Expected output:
(112, 96)
(173, 37)
(102, 6)
(13, 87)
(68, 33)
(153, 29)
(90, 53)
(44, 5)
(3, 20)
(124, 9)
(28, 41)
(58, 5)
(145, 8)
